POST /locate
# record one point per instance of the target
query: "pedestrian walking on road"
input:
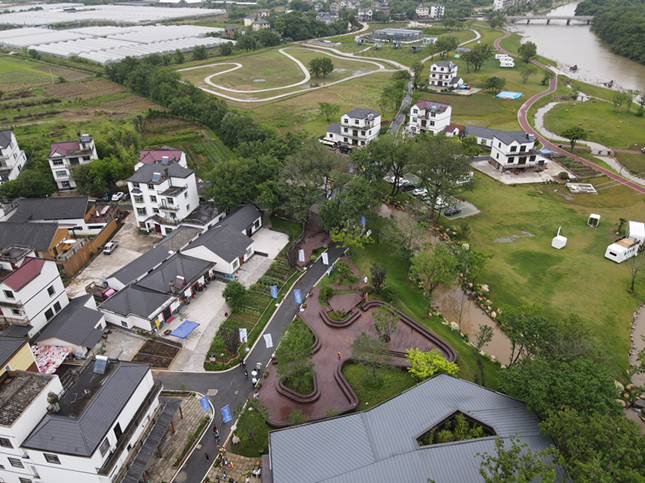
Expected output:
(207, 457)
(217, 436)
(214, 428)
(339, 356)
(242, 363)
(246, 373)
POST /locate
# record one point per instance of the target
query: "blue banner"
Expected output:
(204, 402)
(363, 220)
(298, 296)
(274, 291)
(226, 414)
(351, 168)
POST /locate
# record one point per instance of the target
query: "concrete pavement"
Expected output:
(231, 387)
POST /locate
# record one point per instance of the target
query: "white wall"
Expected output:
(15, 158)
(221, 265)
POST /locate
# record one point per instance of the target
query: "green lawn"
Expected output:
(577, 279)
(615, 129)
(391, 381)
(14, 70)
(512, 44)
(410, 301)
(633, 162)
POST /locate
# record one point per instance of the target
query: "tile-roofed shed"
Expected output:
(8, 348)
(81, 434)
(136, 300)
(334, 127)
(163, 278)
(380, 444)
(481, 132)
(53, 208)
(37, 236)
(172, 170)
(75, 324)
(359, 113)
(241, 217)
(28, 271)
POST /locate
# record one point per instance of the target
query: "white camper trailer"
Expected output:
(502, 56)
(507, 62)
(627, 247)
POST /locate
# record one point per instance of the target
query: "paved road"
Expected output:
(522, 117)
(232, 387)
(400, 116)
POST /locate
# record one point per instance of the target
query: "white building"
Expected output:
(437, 10)
(444, 74)
(161, 155)
(31, 295)
(429, 116)
(514, 150)
(260, 25)
(503, 4)
(357, 127)
(163, 194)
(628, 246)
(364, 15)
(422, 11)
(64, 157)
(12, 159)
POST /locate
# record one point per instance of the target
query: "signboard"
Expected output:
(298, 296)
(243, 336)
(325, 258)
(274, 291)
(204, 402)
(363, 220)
(226, 414)
(301, 255)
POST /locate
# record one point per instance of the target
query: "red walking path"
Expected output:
(522, 117)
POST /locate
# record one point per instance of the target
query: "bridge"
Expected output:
(571, 19)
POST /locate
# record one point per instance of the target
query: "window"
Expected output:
(61, 174)
(52, 458)
(345, 129)
(188, 208)
(153, 199)
(57, 307)
(57, 162)
(49, 314)
(124, 324)
(415, 111)
(141, 212)
(513, 149)
(51, 290)
(155, 211)
(511, 159)
(151, 186)
(86, 158)
(356, 122)
(25, 480)
(522, 148)
(432, 123)
(170, 201)
(105, 446)
(15, 312)
(5, 443)
(362, 133)
(185, 194)
(135, 185)
(16, 463)
(138, 198)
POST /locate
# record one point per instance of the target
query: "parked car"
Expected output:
(118, 196)
(420, 192)
(110, 247)
(408, 187)
(106, 197)
(452, 212)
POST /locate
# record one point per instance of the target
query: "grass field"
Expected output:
(17, 73)
(577, 279)
(633, 162)
(391, 381)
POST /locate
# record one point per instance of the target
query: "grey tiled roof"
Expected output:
(177, 265)
(75, 324)
(56, 208)
(225, 241)
(5, 138)
(334, 128)
(507, 137)
(444, 63)
(141, 265)
(82, 435)
(481, 132)
(359, 113)
(9, 346)
(380, 444)
(145, 172)
(241, 217)
(135, 300)
(37, 236)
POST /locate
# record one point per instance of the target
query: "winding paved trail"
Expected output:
(522, 117)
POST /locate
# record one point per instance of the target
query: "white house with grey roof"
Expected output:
(484, 135)
(381, 445)
(65, 156)
(163, 193)
(357, 128)
(429, 116)
(139, 307)
(515, 150)
(12, 158)
(444, 74)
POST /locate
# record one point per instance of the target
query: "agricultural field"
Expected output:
(18, 73)
(516, 227)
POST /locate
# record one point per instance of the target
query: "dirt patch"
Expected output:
(512, 238)
(68, 74)
(133, 104)
(157, 354)
(84, 90)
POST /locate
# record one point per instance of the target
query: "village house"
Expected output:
(357, 128)
(264, 13)
(12, 158)
(484, 135)
(514, 150)
(422, 11)
(444, 74)
(260, 25)
(65, 156)
(364, 15)
(248, 21)
(429, 116)
(31, 294)
(162, 155)
(437, 10)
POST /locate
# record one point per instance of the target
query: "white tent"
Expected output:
(594, 220)
(636, 231)
(559, 241)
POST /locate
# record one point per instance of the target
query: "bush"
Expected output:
(563, 175)
(324, 294)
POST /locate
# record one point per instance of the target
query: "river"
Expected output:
(572, 45)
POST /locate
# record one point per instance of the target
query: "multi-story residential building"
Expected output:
(12, 159)
(514, 150)
(437, 10)
(357, 127)
(31, 295)
(64, 157)
(444, 74)
(264, 13)
(364, 15)
(429, 116)
(503, 4)
(260, 25)
(422, 11)
(163, 193)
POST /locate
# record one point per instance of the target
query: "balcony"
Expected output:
(125, 438)
(13, 320)
(167, 207)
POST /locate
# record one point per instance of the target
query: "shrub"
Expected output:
(563, 175)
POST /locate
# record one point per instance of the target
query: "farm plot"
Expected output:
(18, 73)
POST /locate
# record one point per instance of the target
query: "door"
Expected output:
(157, 227)
(522, 160)
(118, 431)
(166, 313)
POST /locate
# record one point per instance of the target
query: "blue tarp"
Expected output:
(184, 329)
(545, 151)
(509, 95)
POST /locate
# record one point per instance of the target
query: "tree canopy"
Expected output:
(321, 67)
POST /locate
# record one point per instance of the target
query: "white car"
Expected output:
(420, 192)
(118, 196)
(110, 247)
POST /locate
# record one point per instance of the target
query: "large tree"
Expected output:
(329, 110)
(426, 364)
(293, 356)
(386, 155)
(477, 56)
(370, 351)
(349, 201)
(528, 329)
(441, 164)
(527, 51)
(386, 318)
(321, 67)
(573, 134)
(445, 44)
(429, 269)
(404, 236)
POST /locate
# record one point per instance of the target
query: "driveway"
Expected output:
(270, 241)
(131, 246)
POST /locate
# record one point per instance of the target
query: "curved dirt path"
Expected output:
(522, 117)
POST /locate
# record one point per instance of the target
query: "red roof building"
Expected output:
(27, 272)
